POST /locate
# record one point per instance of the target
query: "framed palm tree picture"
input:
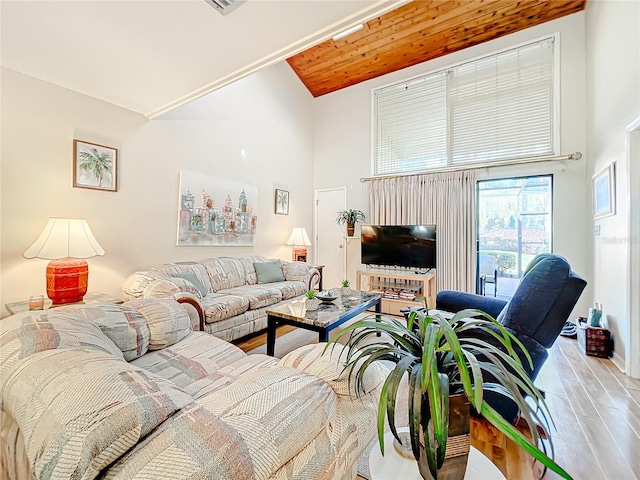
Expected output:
(282, 202)
(95, 166)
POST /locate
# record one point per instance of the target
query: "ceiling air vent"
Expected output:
(225, 6)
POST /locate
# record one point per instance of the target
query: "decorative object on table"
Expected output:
(213, 217)
(311, 301)
(326, 296)
(95, 166)
(604, 192)
(595, 316)
(350, 218)
(281, 202)
(66, 242)
(594, 341)
(345, 287)
(300, 241)
(36, 302)
(444, 360)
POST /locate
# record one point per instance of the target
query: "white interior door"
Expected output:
(329, 238)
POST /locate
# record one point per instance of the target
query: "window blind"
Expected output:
(496, 108)
(411, 126)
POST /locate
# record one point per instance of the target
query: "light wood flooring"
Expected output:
(595, 407)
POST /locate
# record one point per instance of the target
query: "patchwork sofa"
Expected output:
(233, 293)
(131, 392)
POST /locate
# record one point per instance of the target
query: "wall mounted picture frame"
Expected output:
(281, 202)
(604, 192)
(95, 166)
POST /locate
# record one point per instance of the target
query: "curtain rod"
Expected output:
(574, 156)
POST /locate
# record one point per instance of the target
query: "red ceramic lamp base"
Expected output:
(299, 254)
(67, 280)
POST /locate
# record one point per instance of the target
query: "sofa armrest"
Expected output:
(454, 301)
(135, 284)
(301, 272)
(197, 317)
(167, 287)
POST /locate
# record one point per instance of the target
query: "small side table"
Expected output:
(90, 297)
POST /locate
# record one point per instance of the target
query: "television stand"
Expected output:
(399, 288)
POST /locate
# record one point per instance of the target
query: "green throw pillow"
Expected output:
(269, 272)
(191, 277)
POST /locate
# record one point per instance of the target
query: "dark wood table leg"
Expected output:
(272, 323)
(323, 335)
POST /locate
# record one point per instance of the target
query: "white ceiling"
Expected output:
(152, 55)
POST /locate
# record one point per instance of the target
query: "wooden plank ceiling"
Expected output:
(416, 32)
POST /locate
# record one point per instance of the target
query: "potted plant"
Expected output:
(444, 363)
(350, 217)
(345, 287)
(311, 301)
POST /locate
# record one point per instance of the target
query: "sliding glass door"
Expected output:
(514, 224)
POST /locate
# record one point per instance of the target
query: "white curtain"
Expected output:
(447, 200)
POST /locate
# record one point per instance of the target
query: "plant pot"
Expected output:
(351, 229)
(311, 304)
(344, 291)
(458, 443)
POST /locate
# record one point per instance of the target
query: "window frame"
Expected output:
(555, 114)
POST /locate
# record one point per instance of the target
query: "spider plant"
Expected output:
(443, 358)
(310, 294)
(345, 283)
(350, 217)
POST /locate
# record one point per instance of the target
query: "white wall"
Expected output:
(342, 136)
(258, 129)
(613, 93)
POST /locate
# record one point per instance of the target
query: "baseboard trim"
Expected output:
(618, 361)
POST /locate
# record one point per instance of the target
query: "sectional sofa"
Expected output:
(232, 293)
(131, 392)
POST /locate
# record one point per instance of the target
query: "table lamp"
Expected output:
(300, 241)
(66, 242)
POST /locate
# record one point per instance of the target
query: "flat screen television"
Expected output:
(412, 246)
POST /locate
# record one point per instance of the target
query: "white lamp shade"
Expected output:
(64, 238)
(299, 237)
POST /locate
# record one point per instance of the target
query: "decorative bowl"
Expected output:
(326, 297)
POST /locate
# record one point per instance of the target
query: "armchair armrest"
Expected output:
(454, 301)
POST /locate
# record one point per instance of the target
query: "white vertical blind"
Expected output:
(496, 108)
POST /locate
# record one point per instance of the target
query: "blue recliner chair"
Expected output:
(538, 310)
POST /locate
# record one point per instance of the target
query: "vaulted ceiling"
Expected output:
(416, 32)
(150, 56)
(153, 55)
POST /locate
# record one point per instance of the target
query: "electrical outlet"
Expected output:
(596, 230)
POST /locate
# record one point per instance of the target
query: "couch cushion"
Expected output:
(28, 333)
(219, 306)
(290, 289)
(168, 321)
(249, 269)
(126, 327)
(258, 295)
(80, 410)
(224, 272)
(201, 363)
(269, 272)
(191, 278)
(252, 428)
(196, 268)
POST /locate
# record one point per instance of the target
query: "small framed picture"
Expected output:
(604, 192)
(282, 202)
(95, 166)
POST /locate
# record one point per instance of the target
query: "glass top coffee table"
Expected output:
(327, 317)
